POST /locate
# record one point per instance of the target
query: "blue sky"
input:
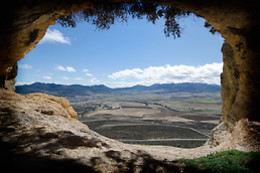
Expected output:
(125, 55)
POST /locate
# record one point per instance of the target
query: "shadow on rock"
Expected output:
(11, 161)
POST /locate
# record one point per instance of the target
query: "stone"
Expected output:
(236, 22)
(49, 100)
(37, 134)
(8, 79)
(28, 121)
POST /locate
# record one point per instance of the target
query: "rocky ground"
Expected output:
(39, 131)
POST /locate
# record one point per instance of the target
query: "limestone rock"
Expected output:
(246, 135)
(36, 126)
(237, 23)
(37, 133)
(54, 100)
(220, 135)
(8, 79)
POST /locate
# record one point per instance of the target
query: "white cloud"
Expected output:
(89, 74)
(68, 69)
(122, 84)
(65, 78)
(47, 77)
(60, 67)
(209, 73)
(78, 78)
(25, 66)
(24, 83)
(55, 36)
(95, 81)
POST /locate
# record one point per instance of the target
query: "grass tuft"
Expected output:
(226, 161)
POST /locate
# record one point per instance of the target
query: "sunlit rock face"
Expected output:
(25, 23)
(49, 106)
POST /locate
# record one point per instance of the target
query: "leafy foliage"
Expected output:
(227, 161)
(104, 14)
(211, 28)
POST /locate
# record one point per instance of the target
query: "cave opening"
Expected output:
(32, 135)
(177, 108)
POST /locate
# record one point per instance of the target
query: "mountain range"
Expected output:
(75, 90)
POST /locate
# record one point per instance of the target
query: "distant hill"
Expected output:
(76, 90)
(61, 90)
(174, 88)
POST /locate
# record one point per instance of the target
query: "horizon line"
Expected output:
(17, 85)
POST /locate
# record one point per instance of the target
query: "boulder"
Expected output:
(47, 100)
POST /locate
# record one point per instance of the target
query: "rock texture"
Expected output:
(8, 79)
(237, 22)
(24, 24)
(37, 133)
(51, 103)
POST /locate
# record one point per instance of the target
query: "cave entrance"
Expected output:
(139, 110)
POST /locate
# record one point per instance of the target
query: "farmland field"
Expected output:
(183, 121)
(180, 115)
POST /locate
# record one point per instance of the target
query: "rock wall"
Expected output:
(8, 79)
(26, 24)
(237, 21)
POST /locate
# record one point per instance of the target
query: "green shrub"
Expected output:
(227, 161)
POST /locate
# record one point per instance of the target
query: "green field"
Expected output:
(152, 132)
(184, 113)
(184, 120)
(147, 132)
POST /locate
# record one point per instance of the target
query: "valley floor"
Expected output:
(184, 123)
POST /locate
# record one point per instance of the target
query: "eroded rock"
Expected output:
(47, 109)
(237, 22)
(33, 127)
(8, 79)
(33, 138)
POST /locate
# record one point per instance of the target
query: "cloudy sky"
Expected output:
(125, 55)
